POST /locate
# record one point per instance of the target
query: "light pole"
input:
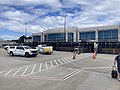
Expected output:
(64, 27)
(26, 29)
(77, 34)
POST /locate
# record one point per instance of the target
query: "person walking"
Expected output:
(117, 61)
(74, 55)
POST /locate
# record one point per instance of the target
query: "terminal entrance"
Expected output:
(87, 46)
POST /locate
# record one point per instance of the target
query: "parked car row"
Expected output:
(27, 51)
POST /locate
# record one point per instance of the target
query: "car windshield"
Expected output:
(28, 48)
(12, 47)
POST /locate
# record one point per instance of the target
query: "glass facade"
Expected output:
(86, 36)
(108, 36)
(36, 38)
(55, 37)
(70, 37)
(103, 36)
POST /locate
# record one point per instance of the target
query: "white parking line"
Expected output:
(40, 67)
(9, 71)
(96, 67)
(72, 74)
(56, 62)
(60, 61)
(16, 71)
(51, 63)
(33, 69)
(25, 71)
(33, 78)
(46, 65)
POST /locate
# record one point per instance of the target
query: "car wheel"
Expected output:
(11, 54)
(27, 55)
(50, 53)
(35, 55)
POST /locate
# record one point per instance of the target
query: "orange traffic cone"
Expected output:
(94, 55)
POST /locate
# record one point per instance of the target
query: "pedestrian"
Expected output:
(117, 61)
(74, 55)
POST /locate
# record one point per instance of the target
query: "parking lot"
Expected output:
(57, 72)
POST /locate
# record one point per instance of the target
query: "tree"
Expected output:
(21, 39)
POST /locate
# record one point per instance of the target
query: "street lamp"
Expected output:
(26, 29)
(64, 27)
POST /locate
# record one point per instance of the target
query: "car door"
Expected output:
(17, 50)
(22, 51)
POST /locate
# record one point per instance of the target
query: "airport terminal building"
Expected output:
(103, 38)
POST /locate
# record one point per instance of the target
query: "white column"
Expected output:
(96, 39)
(32, 38)
(74, 36)
(78, 36)
(118, 33)
(66, 36)
(43, 39)
(96, 35)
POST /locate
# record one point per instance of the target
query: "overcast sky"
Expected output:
(46, 14)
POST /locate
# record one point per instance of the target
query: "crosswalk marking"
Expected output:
(16, 71)
(40, 67)
(56, 62)
(51, 63)
(25, 71)
(63, 60)
(67, 60)
(9, 71)
(60, 61)
(33, 69)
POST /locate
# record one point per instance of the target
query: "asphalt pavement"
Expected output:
(57, 72)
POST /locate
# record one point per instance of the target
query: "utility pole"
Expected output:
(64, 27)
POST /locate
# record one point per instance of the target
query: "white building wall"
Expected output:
(119, 33)
(73, 30)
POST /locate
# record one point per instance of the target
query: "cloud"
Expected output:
(10, 37)
(46, 14)
(53, 3)
(18, 16)
(19, 27)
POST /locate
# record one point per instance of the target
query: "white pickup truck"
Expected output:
(6, 47)
(22, 51)
(45, 49)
